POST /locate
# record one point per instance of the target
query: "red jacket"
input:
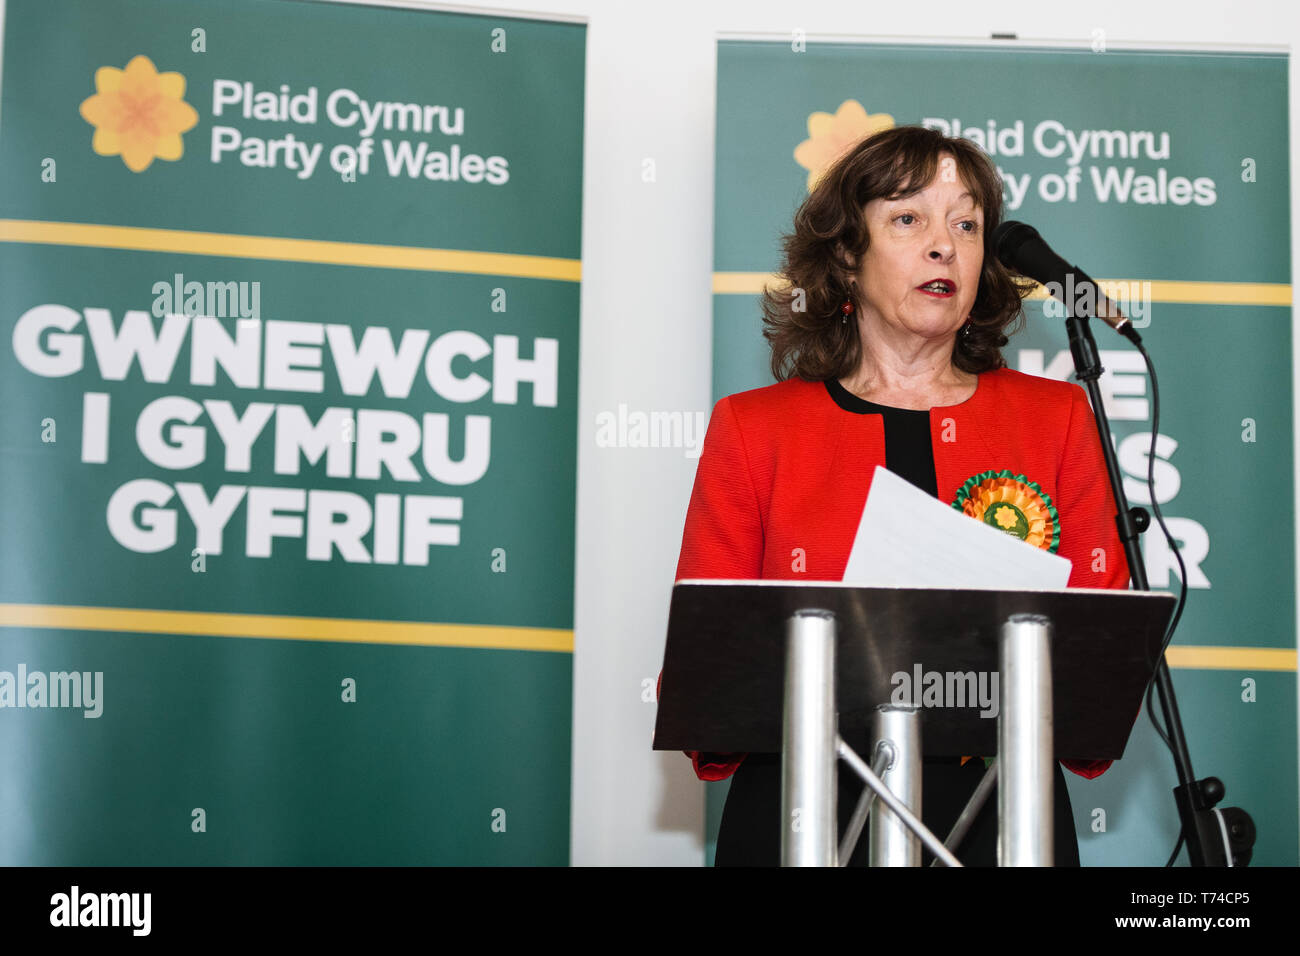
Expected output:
(785, 472)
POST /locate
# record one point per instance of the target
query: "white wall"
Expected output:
(646, 307)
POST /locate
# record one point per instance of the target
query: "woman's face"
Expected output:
(935, 234)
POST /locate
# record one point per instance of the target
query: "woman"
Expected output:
(886, 345)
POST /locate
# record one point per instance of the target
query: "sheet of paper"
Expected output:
(908, 539)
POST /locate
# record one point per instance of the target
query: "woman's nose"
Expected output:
(941, 247)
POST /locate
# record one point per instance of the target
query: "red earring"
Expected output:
(847, 309)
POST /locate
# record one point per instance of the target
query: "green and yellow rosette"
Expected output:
(1011, 503)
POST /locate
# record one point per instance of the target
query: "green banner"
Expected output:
(287, 493)
(1145, 169)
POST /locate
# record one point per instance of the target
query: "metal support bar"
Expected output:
(972, 809)
(892, 843)
(859, 766)
(1025, 809)
(808, 769)
(849, 842)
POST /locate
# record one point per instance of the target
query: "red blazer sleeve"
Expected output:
(723, 536)
(1088, 536)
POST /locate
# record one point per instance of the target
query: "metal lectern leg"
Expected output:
(808, 742)
(1025, 808)
(892, 842)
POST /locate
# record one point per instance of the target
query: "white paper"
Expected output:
(908, 539)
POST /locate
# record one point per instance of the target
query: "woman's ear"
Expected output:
(845, 258)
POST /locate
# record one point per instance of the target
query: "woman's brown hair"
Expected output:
(801, 315)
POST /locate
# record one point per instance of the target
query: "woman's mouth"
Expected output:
(939, 288)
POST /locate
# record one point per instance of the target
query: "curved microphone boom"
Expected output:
(1021, 248)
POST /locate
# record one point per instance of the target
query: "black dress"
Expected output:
(749, 834)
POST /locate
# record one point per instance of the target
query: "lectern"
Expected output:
(880, 677)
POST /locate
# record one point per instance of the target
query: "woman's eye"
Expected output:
(908, 216)
(974, 226)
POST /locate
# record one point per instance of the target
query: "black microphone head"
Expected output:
(1021, 249)
(1010, 236)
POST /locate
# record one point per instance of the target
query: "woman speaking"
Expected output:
(886, 337)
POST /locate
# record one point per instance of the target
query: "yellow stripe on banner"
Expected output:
(276, 627)
(1231, 658)
(290, 250)
(359, 631)
(1193, 293)
(1202, 293)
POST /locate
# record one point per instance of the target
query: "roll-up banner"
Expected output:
(1165, 174)
(289, 295)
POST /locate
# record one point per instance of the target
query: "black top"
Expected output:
(908, 451)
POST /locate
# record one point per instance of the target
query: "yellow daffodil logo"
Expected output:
(1011, 503)
(831, 136)
(138, 113)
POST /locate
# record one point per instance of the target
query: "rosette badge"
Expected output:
(1011, 503)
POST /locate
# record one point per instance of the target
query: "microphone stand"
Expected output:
(1214, 837)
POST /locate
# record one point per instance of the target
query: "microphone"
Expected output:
(1022, 249)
